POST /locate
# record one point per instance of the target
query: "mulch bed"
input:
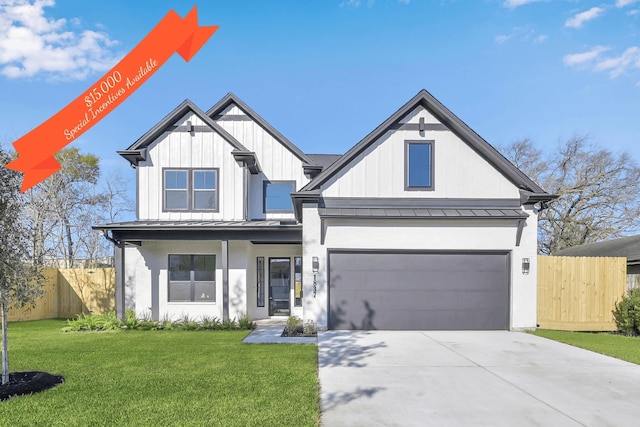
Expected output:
(298, 332)
(21, 383)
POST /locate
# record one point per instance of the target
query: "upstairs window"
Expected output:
(277, 196)
(204, 190)
(176, 192)
(190, 189)
(419, 165)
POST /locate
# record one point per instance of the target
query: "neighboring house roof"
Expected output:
(453, 123)
(628, 247)
(232, 99)
(324, 160)
(137, 151)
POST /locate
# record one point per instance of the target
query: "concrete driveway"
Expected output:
(496, 378)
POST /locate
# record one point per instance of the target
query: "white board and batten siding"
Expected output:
(277, 162)
(459, 172)
(184, 150)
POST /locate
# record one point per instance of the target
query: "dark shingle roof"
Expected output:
(622, 247)
(324, 160)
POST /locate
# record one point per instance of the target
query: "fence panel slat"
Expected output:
(69, 292)
(579, 293)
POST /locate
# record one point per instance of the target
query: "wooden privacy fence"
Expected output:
(71, 291)
(579, 293)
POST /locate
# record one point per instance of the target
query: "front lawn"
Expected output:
(618, 346)
(161, 378)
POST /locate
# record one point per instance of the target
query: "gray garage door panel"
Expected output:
(418, 291)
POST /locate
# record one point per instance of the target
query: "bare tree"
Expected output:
(63, 208)
(20, 283)
(599, 192)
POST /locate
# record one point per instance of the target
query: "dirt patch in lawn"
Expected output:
(21, 383)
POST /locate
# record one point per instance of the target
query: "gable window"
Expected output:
(419, 165)
(277, 196)
(192, 278)
(190, 189)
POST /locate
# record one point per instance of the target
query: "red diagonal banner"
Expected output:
(172, 34)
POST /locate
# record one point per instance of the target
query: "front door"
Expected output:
(279, 286)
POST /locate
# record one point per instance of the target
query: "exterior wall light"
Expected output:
(526, 265)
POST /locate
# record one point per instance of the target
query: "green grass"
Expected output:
(161, 378)
(618, 346)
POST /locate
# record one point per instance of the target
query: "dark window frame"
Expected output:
(191, 189)
(260, 281)
(297, 302)
(265, 184)
(192, 281)
(407, 184)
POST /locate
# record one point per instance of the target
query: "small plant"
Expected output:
(293, 326)
(245, 323)
(209, 323)
(229, 325)
(310, 328)
(92, 322)
(187, 323)
(627, 313)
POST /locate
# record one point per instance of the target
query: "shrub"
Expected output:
(245, 323)
(294, 326)
(109, 321)
(627, 313)
(310, 328)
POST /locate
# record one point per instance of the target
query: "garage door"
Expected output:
(434, 291)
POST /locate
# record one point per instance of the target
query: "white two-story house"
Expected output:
(421, 225)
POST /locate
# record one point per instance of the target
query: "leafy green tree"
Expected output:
(20, 282)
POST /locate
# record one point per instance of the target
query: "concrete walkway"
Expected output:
(496, 378)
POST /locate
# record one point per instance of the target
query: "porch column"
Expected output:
(120, 279)
(225, 280)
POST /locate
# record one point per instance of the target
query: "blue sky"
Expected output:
(326, 73)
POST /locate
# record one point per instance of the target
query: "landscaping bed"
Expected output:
(21, 383)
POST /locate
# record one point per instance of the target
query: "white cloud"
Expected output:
(541, 38)
(32, 44)
(512, 4)
(524, 33)
(616, 66)
(623, 3)
(582, 17)
(584, 57)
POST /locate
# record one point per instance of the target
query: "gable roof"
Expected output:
(137, 151)
(453, 123)
(232, 99)
(622, 247)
